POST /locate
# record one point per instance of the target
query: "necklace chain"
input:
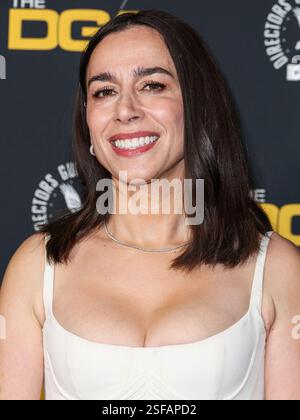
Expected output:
(137, 247)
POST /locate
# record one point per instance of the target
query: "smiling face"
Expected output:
(124, 98)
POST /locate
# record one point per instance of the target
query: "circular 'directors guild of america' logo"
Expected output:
(282, 38)
(55, 194)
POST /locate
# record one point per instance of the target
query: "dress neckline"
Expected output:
(231, 328)
(258, 271)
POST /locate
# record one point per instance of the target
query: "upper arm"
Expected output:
(21, 350)
(282, 368)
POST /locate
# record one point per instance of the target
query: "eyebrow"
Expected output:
(139, 72)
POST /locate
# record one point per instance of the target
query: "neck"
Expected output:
(145, 219)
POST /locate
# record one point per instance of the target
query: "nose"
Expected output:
(127, 108)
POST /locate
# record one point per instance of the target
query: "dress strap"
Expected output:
(48, 283)
(258, 279)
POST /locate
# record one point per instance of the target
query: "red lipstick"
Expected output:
(123, 136)
(133, 152)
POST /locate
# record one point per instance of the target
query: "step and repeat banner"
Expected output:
(257, 46)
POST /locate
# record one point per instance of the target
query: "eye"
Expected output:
(156, 85)
(106, 90)
(99, 91)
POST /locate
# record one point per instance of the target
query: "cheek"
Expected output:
(95, 119)
(168, 112)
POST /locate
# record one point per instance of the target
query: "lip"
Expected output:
(123, 136)
(133, 152)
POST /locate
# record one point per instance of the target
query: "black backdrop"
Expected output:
(255, 42)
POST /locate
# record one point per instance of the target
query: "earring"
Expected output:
(92, 150)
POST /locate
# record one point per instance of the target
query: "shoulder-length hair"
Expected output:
(213, 151)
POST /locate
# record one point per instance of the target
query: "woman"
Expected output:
(145, 305)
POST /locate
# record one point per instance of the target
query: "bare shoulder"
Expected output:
(283, 258)
(24, 273)
(28, 256)
(282, 273)
(21, 361)
(282, 362)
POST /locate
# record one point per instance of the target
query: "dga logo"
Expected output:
(60, 28)
(2, 67)
(283, 219)
(54, 194)
(282, 37)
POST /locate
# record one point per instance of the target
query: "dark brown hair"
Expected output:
(213, 151)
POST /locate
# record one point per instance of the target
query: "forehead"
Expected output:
(139, 45)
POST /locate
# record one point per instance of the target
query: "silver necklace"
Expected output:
(141, 249)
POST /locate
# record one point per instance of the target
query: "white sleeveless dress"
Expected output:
(226, 366)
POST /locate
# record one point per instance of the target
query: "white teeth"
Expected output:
(135, 143)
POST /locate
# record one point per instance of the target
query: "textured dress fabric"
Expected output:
(226, 366)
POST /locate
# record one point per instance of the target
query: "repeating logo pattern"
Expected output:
(56, 193)
(282, 38)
